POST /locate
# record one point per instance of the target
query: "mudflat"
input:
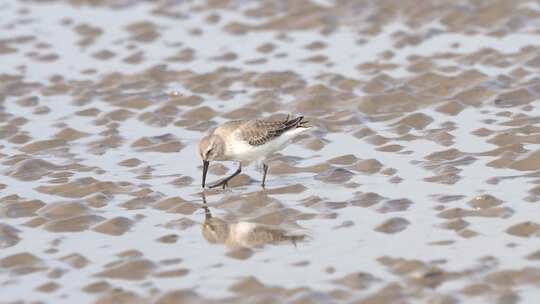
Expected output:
(419, 183)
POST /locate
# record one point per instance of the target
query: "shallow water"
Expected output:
(419, 181)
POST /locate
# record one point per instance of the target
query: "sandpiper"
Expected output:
(245, 141)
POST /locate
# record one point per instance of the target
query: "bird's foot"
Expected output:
(224, 183)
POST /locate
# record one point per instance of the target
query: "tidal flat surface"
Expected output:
(419, 183)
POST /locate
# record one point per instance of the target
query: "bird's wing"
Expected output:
(259, 132)
(226, 129)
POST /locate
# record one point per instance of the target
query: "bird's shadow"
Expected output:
(244, 233)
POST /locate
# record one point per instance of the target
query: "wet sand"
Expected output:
(419, 183)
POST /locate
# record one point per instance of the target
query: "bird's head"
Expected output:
(211, 148)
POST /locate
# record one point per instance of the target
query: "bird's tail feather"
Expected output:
(304, 124)
(297, 122)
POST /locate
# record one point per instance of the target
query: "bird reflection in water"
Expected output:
(243, 233)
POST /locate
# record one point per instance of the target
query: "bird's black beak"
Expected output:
(205, 169)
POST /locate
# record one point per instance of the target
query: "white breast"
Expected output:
(240, 150)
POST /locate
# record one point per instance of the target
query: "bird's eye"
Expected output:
(208, 152)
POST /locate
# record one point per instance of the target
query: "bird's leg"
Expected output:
(226, 180)
(265, 170)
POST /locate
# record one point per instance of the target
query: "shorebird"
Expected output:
(246, 141)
